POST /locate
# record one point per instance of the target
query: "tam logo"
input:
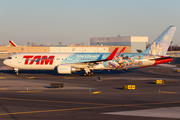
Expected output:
(40, 60)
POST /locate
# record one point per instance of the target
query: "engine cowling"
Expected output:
(66, 69)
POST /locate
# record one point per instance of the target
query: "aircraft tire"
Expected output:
(17, 73)
(89, 74)
(92, 73)
(85, 74)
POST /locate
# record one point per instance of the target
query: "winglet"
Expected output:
(122, 51)
(111, 56)
(12, 43)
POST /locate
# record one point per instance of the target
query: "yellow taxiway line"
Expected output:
(32, 91)
(2, 78)
(3, 88)
(69, 77)
(57, 110)
(30, 77)
(96, 92)
(168, 92)
(83, 108)
(68, 102)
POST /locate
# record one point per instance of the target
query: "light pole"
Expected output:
(97, 46)
(22, 49)
(82, 46)
(171, 47)
(28, 45)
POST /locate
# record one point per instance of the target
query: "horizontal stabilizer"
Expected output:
(162, 58)
(139, 51)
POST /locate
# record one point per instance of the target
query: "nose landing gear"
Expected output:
(16, 71)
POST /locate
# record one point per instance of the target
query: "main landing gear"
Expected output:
(89, 73)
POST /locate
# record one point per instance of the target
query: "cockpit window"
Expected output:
(9, 58)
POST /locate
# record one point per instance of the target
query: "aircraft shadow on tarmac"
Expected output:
(54, 72)
(118, 88)
(151, 82)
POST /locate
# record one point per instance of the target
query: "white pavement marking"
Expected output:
(171, 112)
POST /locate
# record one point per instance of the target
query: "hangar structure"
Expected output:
(59, 49)
(6, 51)
(135, 42)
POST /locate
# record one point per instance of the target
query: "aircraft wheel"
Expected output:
(17, 73)
(85, 74)
(89, 73)
(92, 73)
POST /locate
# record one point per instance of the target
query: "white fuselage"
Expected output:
(47, 61)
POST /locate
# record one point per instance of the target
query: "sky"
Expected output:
(76, 21)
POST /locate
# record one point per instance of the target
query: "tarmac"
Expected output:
(29, 96)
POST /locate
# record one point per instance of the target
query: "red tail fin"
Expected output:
(12, 43)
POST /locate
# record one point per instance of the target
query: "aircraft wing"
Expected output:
(88, 63)
(110, 57)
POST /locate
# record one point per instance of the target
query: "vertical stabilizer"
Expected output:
(161, 44)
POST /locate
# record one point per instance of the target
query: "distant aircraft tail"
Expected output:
(12, 43)
(161, 44)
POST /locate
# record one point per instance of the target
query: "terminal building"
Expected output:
(97, 45)
(134, 42)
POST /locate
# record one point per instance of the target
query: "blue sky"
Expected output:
(76, 21)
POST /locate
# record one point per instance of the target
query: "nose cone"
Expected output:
(5, 62)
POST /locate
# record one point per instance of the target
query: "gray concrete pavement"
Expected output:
(85, 98)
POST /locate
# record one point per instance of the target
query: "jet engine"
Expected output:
(66, 69)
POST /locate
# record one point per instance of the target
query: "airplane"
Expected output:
(12, 44)
(67, 63)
